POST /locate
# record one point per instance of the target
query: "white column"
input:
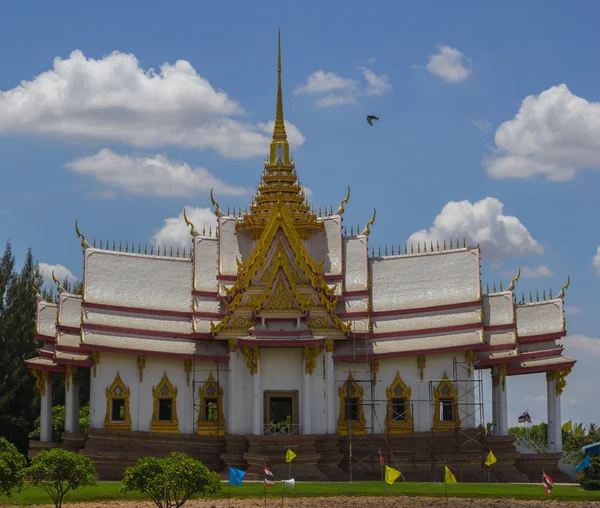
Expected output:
(71, 400)
(306, 395)
(232, 416)
(330, 387)
(503, 404)
(554, 416)
(46, 407)
(256, 410)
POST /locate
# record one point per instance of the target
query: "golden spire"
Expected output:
(279, 129)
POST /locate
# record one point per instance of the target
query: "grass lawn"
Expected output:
(106, 491)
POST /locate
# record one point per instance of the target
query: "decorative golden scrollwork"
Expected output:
(252, 355)
(193, 231)
(41, 378)
(399, 416)
(187, 367)
(559, 376)
(95, 357)
(141, 365)
(469, 361)
(421, 364)
(84, 244)
(367, 230)
(329, 346)
(310, 358)
(502, 373)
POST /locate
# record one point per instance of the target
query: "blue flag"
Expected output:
(235, 476)
(583, 464)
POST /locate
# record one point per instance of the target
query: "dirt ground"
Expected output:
(355, 502)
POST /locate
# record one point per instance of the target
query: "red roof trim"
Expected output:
(44, 338)
(498, 347)
(77, 363)
(500, 328)
(515, 371)
(280, 343)
(482, 364)
(360, 292)
(231, 278)
(545, 337)
(207, 294)
(424, 331)
(333, 277)
(46, 354)
(68, 329)
(136, 310)
(141, 352)
(216, 315)
(68, 349)
(136, 331)
(50, 368)
(545, 353)
(286, 333)
(403, 354)
(415, 310)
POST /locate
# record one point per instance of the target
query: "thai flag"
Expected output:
(381, 459)
(525, 417)
(269, 483)
(547, 483)
(268, 472)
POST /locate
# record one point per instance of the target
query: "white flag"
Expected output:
(289, 483)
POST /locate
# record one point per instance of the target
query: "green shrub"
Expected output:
(171, 481)
(591, 485)
(57, 471)
(58, 422)
(12, 464)
(589, 478)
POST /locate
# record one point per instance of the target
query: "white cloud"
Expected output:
(581, 346)
(537, 272)
(449, 64)
(323, 82)
(175, 232)
(155, 175)
(554, 134)
(596, 261)
(571, 310)
(346, 91)
(114, 99)
(482, 125)
(481, 223)
(60, 272)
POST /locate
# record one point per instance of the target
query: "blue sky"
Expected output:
(447, 81)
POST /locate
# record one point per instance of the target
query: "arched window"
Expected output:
(117, 406)
(210, 418)
(445, 413)
(164, 416)
(352, 417)
(399, 415)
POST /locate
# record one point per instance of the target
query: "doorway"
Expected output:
(281, 413)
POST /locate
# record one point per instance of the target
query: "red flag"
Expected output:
(547, 483)
(268, 471)
(381, 459)
(269, 483)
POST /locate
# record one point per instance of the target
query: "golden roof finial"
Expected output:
(37, 293)
(84, 244)
(218, 211)
(367, 230)
(563, 289)
(193, 231)
(511, 286)
(59, 288)
(341, 209)
(279, 128)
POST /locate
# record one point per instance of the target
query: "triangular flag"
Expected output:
(289, 456)
(288, 483)
(448, 476)
(391, 475)
(269, 483)
(583, 464)
(491, 459)
(235, 476)
(268, 471)
(567, 427)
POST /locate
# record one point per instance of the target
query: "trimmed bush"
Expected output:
(12, 464)
(171, 481)
(589, 478)
(57, 472)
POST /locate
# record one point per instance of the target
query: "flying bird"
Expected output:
(370, 118)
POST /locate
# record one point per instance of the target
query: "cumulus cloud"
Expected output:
(596, 261)
(571, 310)
(175, 232)
(155, 175)
(60, 272)
(579, 346)
(483, 125)
(481, 223)
(345, 91)
(554, 134)
(449, 64)
(537, 272)
(114, 99)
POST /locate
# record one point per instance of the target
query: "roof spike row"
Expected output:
(431, 246)
(405, 250)
(550, 293)
(487, 287)
(146, 249)
(351, 230)
(210, 231)
(393, 252)
(84, 244)
(183, 255)
(437, 245)
(367, 230)
(101, 243)
(120, 247)
(358, 229)
(203, 229)
(228, 211)
(450, 243)
(418, 247)
(218, 211)
(544, 295)
(165, 250)
(372, 252)
(114, 246)
(139, 248)
(412, 249)
(126, 246)
(94, 243)
(511, 286)
(464, 242)
(444, 244)
(379, 251)
(193, 231)
(177, 253)
(171, 251)
(424, 246)
(501, 286)
(564, 288)
(522, 297)
(330, 209)
(457, 243)
(345, 232)
(341, 208)
(494, 287)
(530, 297)
(386, 251)
(537, 296)
(151, 250)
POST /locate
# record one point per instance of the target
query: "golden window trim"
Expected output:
(390, 392)
(206, 427)
(438, 396)
(110, 395)
(345, 427)
(157, 425)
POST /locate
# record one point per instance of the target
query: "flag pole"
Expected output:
(282, 492)
(265, 484)
(229, 488)
(290, 470)
(489, 478)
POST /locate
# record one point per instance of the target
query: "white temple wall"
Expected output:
(243, 394)
(318, 399)
(327, 245)
(500, 338)
(354, 250)
(137, 321)
(229, 247)
(205, 304)
(134, 280)
(355, 304)
(540, 317)
(423, 280)
(69, 309)
(46, 318)
(206, 263)
(426, 320)
(498, 309)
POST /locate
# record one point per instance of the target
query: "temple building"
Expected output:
(282, 329)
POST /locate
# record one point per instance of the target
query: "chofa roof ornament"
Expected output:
(564, 288)
(341, 209)
(367, 230)
(511, 286)
(218, 211)
(84, 244)
(193, 231)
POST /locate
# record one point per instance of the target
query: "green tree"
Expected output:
(19, 404)
(57, 472)
(171, 481)
(12, 464)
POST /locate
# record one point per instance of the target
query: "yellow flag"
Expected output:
(567, 427)
(448, 476)
(289, 456)
(491, 459)
(391, 475)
